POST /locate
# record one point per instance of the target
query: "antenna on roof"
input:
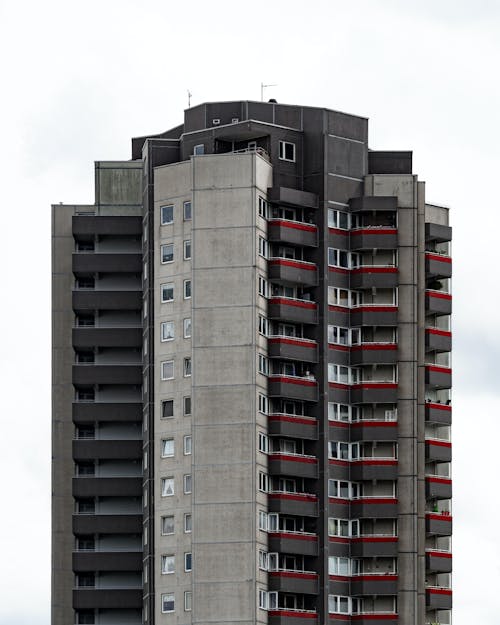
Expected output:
(189, 98)
(262, 87)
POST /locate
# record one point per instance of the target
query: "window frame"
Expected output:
(165, 560)
(187, 288)
(163, 222)
(186, 323)
(188, 561)
(188, 600)
(163, 602)
(164, 480)
(283, 150)
(187, 210)
(168, 445)
(162, 248)
(164, 325)
(162, 369)
(188, 523)
(187, 481)
(185, 400)
(188, 444)
(163, 403)
(167, 286)
(197, 151)
(163, 520)
(187, 367)
(187, 246)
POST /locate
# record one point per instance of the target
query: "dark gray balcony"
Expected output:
(374, 546)
(374, 469)
(374, 203)
(438, 598)
(92, 262)
(305, 583)
(338, 469)
(383, 238)
(107, 337)
(437, 340)
(85, 225)
(107, 486)
(295, 310)
(83, 412)
(297, 465)
(437, 232)
(107, 300)
(292, 387)
(437, 302)
(339, 393)
(299, 543)
(291, 271)
(338, 546)
(437, 266)
(339, 585)
(292, 197)
(374, 315)
(294, 232)
(338, 315)
(374, 393)
(438, 561)
(438, 413)
(292, 348)
(293, 426)
(375, 507)
(380, 618)
(374, 353)
(374, 431)
(107, 560)
(107, 523)
(437, 487)
(283, 616)
(437, 377)
(374, 584)
(107, 449)
(437, 450)
(296, 504)
(89, 374)
(438, 524)
(91, 598)
(371, 276)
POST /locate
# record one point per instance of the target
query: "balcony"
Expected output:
(438, 598)
(93, 262)
(298, 543)
(297, 465)
(107, 523)
(301, 582)
(437, 302)
(374, 315)
(437, 340)
(293, 426)
(292, 387)
(107, 449)
(369, 276)
(437, 487)
(85, 225)
(90, 598)
(375, 237)
(438, 523)
(287, 616)
(107, 300)
(383, 392)
(107, 337)
(292, 348)
(374, 469)
(437, 450)
(438, 560)
(375, 507)
(374, 584)
(293, 309)
(374, 353)
(296, 504)
(380, 618)
(437, 376)
(437, 265)
(294, 232)
(85, 412)
(438, 413)
(374, 546)
(374, 430)
(107, 561)
(107, 486)
(91, 373)
(292, 271)
(374, 203)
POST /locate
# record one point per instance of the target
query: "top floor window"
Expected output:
(199, 149)
(287, 151)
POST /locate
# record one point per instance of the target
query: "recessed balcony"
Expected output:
(375, 430)
(438, 598)
(437, 377)
(438, 523)
(294, 232)
(438, 413)
(293, 309)
(437, 265)
(375, 507)
(287, 616)
(301, 582)
(438, 560)
(292, 348)
(437, 302)
(293, 426)
(374, 584)
(375, 237)
(297, 465)
(373, 392)
(437, 450)
(374, 469)
(292, 271)
(374, 315)
(438, 487)
(370, 276)
(437, 340)
(292, 387)
(296, 504)
(374, 353)
(299, 543)
(374, 546)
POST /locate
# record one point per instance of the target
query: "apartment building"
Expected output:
(251, 380)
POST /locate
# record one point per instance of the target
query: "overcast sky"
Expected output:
(79, 79)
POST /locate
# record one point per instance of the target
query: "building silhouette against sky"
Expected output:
(251, 408)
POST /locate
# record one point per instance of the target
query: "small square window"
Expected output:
(199, 149)
(187, 249)
(187, 328)
(167, 408)
(167, 525)
(187, 211)
(167, 214)
(187, 484)
(188, 562)
(167, 292)
(167, 253)
(167, 330)
(187, 406)
(187, 289)
(167, 486)
(167, 370)
(188, 523)
(167, 447)
(168, 603)
(167, 565)
(188, 601)
(188, 445)
(187, 367)
(287, 151)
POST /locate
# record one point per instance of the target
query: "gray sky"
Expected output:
(81, 78)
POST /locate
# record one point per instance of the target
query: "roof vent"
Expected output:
(273, 101)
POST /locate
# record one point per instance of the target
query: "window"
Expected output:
(167, 292)
(145, 534)
(167, 370)
(263, 326)
(342, 412)
(263, 287)
(263, 365)
(167, 486)
(187, 484)
(187, 289)
(268, 600)
(199, 149)
(188, 562)
(338, 219)
(168, 602)
(86, 617)
(263, 520)
(263, 403)
(167, 253)
(263, 247)
(85, 246)
(287, 151)
(338, 604)
(167, 565)
(188, 523)
(167, 525)
(339, 566)
(343, 451)
(187, 328)
(86, 580)
(187, 406)
(338, 258)
(343, 490)
(187, 367)
(145, 308)
(262, 560)
(85, 506)
(343, 527)
(338, 335)
(167, 447)
(167, 408)
(187, 211)
(188, 601)
(83, 321)
(342, 375)
(187, 249)
(167, 330)
(85, 283)
(263, 482)
(188, 445)
(263, 443)
(167, 214)
(262, 207)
